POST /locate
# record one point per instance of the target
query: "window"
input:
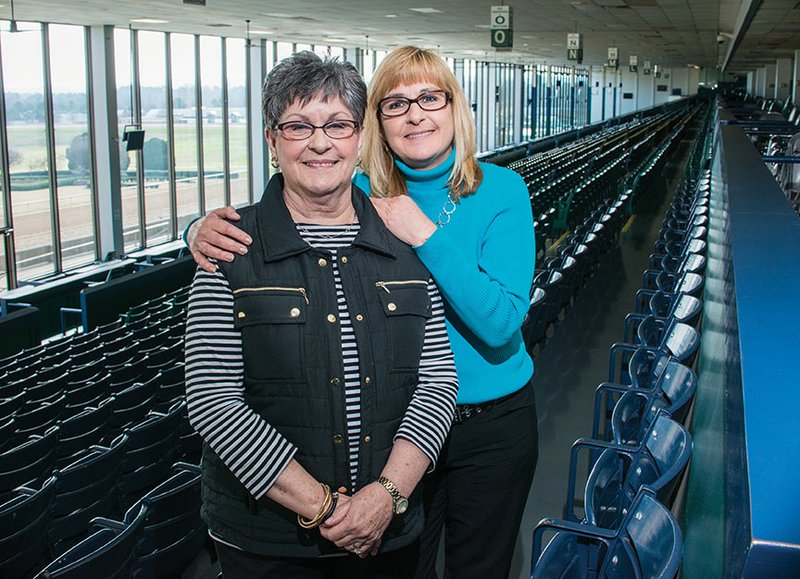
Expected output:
(155, 156)
(212, 120)
(184, 107)
(237, 121)
(74, 158)
(29, 164)
(127, 114)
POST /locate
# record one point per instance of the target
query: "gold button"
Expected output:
(342, 489)
(367, 380)
(367, 438)
(294, 312)
(335, 382)
(391, 306)
(344, 259)
(338, 438)
(241, 315)
(331, 318)
(322, 262)
(359, 317)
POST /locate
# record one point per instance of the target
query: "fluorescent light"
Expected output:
(391, 16)
(263, 32)
(336, 39)
(426, 10)
(149, 21)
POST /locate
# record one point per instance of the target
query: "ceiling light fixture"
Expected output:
(247, 33)
(426, 10)
(149, 21)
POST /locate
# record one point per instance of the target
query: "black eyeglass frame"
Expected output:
(355, 124)
(448, 98)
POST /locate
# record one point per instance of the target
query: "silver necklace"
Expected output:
(326, 235)
(448, 208)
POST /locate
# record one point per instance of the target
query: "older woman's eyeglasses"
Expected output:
(299, 131)
(428, 101)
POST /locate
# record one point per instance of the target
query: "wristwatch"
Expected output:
(399, 502)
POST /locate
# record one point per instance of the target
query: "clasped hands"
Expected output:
(359, 521)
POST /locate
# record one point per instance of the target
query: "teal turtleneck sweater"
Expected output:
(483, 262)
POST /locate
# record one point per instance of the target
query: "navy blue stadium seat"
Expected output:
(28, 463)
(648, 543)
(108, 553)
(24, 520)
(618, 471)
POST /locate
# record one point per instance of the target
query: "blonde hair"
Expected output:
(410, 65)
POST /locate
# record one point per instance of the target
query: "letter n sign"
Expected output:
(502, 29)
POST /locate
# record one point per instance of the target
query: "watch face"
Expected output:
(401, 506)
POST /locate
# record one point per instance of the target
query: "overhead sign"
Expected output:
(613, 57)
(575, 47)
(502, 27)
(633, 62)
(647, 67)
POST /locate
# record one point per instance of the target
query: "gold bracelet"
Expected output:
(320, 516)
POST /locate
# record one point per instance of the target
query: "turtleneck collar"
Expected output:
(440, 172)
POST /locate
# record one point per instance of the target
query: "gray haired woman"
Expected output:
(318, 369)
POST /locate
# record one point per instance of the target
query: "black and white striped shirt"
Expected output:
(253, 450)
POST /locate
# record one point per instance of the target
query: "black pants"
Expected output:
(478, 491)
(236, 564)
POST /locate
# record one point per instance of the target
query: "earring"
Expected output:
(358, 162)
(274, 162)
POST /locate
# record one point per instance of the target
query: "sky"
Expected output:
(22, 59)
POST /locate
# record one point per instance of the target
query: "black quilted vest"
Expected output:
(285, 306)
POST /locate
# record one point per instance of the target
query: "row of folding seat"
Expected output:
(46, 517)
(558, 280)
(639, 448)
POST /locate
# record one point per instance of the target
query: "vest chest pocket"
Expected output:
(272, 321)
(407, 307)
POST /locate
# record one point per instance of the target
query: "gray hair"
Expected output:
(305, 76)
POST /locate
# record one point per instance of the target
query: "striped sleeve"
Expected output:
(430, 413)
(250, 447)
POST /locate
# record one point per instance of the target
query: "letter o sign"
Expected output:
(499, 37)
(500, 19)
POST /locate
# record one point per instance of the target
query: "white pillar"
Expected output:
(770, 81)
(783, 78)
(106, 142)
(761, 82)
(259, 160)
(796, 77)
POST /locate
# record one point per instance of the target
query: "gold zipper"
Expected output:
(383, 284)
(300, 290)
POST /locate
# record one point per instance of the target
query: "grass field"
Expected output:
(28, 146)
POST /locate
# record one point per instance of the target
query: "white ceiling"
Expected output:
(667, 32)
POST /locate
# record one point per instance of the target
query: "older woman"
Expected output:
(318, 369)
(471, 224)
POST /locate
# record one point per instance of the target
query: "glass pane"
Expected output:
(27, 150)
(127, 160)
(73, 155)
(282, 50)
(153, 82)
(237, 121)
(213, 163)
(337, 51)
(183, 110)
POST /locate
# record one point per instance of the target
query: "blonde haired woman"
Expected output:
(470, 223)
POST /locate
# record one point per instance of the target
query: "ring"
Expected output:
(357, 550)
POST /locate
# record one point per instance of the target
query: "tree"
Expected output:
(155, 154)
(78, 154)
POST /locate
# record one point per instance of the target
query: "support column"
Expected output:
(259, 157)
(106, 142)
(796, 77)
(783, 79)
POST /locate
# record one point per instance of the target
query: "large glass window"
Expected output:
(73, 153)
(237, 121)
(127, 115)
(27, 150)
(152, 81)
(213, 163)
(184, 109)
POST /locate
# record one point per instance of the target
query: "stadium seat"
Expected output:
(648, 543)
(24, 520)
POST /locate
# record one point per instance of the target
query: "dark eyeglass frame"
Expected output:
(448, 98)
(349, 122)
